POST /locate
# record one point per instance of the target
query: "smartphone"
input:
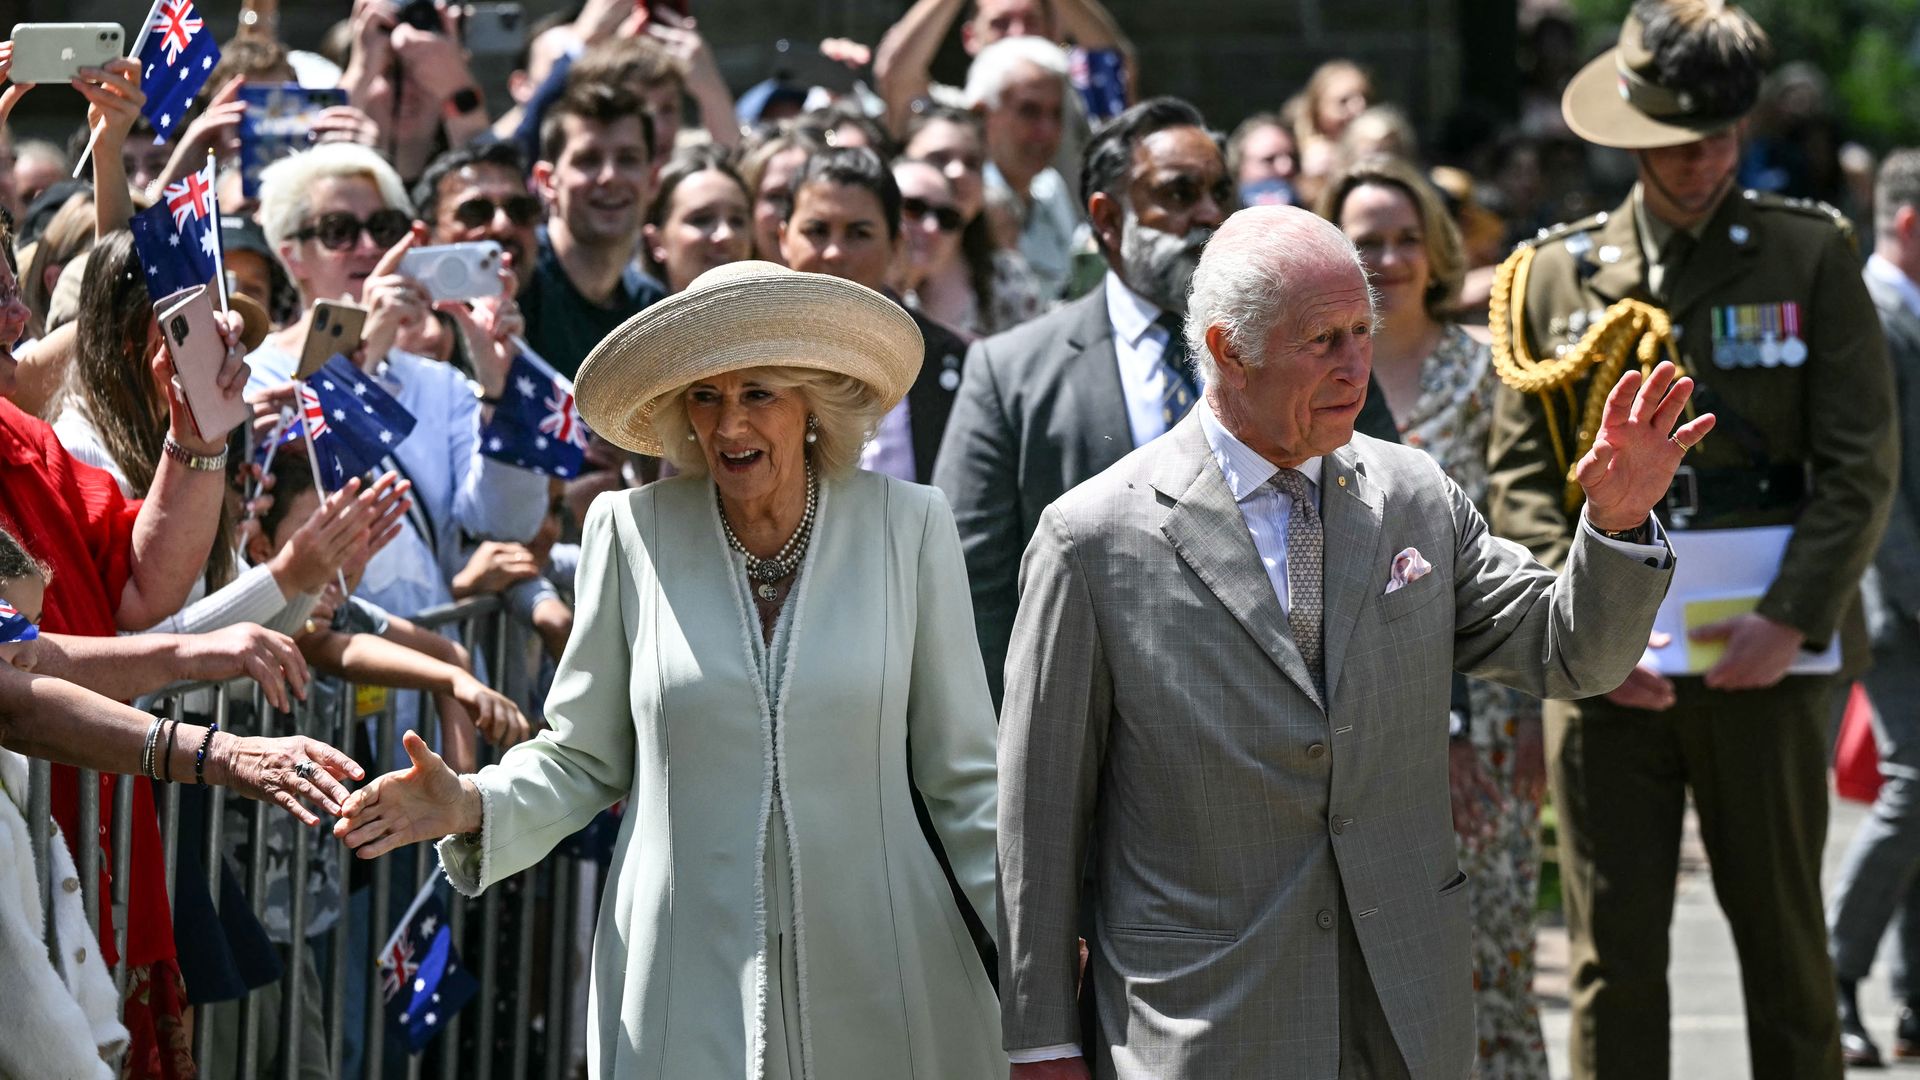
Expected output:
(196, 352)
(55, 52)
(334, 330)
(455, 271)
(494, 29)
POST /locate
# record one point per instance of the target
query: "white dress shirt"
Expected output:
(1886, 273)
(1140, 344)
(1266, 510)
(890, 451)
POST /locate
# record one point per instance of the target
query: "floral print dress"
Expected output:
(1451, 420)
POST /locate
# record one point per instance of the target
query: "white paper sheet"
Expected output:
(1722, 564)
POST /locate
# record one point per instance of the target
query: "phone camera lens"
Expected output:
(179, 327)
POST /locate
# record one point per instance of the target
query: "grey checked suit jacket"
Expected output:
(1891, 591)
(1158, 715)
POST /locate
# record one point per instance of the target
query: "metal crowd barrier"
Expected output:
(508, 649)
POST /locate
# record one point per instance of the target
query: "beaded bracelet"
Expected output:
(200, 757)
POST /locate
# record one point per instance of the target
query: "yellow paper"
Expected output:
(1702, 655)
(369, 701)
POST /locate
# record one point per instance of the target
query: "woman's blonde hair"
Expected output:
(1446, 255)
(67, 235)
(846, 409)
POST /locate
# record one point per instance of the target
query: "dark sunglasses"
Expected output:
(474, 213)
(339, 230)
(946, 217)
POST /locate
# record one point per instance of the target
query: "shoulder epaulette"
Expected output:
(1565, 229)
(1813, 208)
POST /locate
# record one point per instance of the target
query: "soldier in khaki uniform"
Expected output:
(1761, 300)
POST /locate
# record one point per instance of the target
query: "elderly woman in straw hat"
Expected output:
(772, 650)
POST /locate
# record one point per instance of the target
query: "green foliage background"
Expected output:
(1870, 49)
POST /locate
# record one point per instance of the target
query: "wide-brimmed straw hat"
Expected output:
(743, 315)
(1619, 100)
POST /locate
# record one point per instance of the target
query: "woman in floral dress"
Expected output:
(1439, 382)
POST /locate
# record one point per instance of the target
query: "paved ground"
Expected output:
(1709, 1030)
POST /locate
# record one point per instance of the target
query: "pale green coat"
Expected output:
(656, 702)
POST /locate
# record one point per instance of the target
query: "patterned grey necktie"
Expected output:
(1306, 557)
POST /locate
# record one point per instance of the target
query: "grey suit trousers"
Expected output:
(1878, 879)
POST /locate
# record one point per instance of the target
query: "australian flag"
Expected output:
(352, 423)
(536, 425)
(176, 53)
(421, 976)
(175, 236)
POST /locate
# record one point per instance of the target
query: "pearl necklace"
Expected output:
(787, 561)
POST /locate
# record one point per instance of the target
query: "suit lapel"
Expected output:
(1207, 532)
(1106, 435)
(1350, 519)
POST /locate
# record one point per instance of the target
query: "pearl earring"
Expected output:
(813, 429)
(691, 437)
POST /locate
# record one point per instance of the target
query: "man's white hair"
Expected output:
(999, 63)
(1245, 281)
(286, 186)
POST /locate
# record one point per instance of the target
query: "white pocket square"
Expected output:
(1408, 567)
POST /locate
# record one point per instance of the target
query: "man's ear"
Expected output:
(543, 181)
(1906, 223)
(1107, 217)
(1226, 359)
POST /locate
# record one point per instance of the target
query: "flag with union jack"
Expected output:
(177, 53)
(421, 977)
(14, 626)
(351, 421)
(175, 236)
(536, 425)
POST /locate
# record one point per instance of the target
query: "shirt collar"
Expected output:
(1245, 469)
(1131, 314)
(1883, 271)
(1653, 232)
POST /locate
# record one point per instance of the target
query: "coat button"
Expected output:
(1317, 750)
(1338, 824)
(1325, 919)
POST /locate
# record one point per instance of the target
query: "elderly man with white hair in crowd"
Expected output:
(1019, 87)
(1228, 685)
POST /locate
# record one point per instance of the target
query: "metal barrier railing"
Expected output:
(507, 649)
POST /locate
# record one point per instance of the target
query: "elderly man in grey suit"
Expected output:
(1878, 880)
(1227, 688)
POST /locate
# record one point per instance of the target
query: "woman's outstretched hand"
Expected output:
(425, 802)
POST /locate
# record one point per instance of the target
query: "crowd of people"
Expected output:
(966, 608)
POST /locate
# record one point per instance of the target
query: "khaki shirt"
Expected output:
(1830, 413)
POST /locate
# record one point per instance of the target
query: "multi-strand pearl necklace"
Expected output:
(787, 561)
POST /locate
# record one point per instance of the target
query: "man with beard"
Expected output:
(1051, 403)
(473, 194)
(595, 175)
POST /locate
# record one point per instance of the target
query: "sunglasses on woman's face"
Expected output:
(340, 231)
(945, 217)
(478, 212)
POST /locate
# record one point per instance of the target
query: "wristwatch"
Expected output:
(196, 462)
(1639, 534)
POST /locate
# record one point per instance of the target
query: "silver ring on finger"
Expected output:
(305, 770)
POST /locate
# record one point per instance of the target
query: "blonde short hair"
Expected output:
(286, 186)
(846, 408)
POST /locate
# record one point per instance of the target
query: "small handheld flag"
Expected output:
(536, 425)
(176, 53)
(421, 976)
(15, 627)
(351, 424)
(176, 238)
